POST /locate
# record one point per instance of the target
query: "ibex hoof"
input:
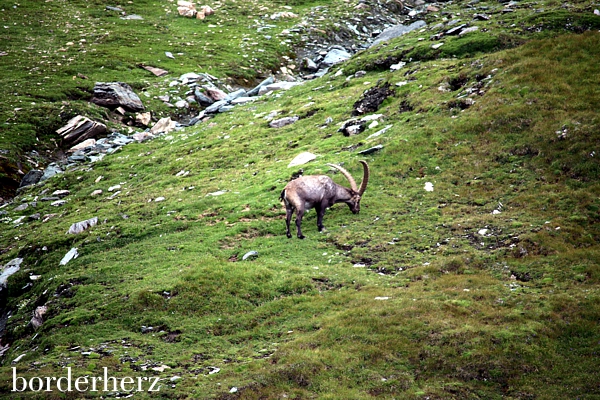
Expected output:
(300, 236)
(289, 235)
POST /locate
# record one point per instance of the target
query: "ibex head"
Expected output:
(356, 193)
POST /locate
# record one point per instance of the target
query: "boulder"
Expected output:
(335, 56)
(31, 178)
(396, 31)
(116, 94)
(79, 129)
(164, 125)
(254, 92)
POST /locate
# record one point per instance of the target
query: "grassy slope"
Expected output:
(513, 313)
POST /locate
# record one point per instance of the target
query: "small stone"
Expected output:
(21, 207)
(61, 193)
(113, 188)
(428, 187)
(302, 159)
(79, 227)
(72, 254)
(96, 192)
(58, 203)
(250, 254)
(437, 45)
(159, 199)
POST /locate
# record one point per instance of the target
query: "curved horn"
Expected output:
(365, 181)
(347, 175)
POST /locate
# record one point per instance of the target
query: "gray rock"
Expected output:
(9, 269)
(254, 92)
(79, 227)
(35, 217)
(456, 30)
(50, 171)
(396, 31)
(335, 56)
(116, 94)
(226, 108)
(72, 254)
(371, 150)
(21, 207)
(31, 178)
(215, 106)
(235, 95)
(79, 129)
(202, 99)
(309, 65)
(278, 123)
(250, 254)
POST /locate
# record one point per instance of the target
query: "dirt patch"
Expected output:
(372, 99)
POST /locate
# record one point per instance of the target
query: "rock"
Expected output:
(169, 55)
(142, 136)
(9, 269)
(21, 207)
(96, 192)
(61, 193)
(277, 86)
(159, 199)
(437, 45)
(19, 220)
(186, 9)
(164, 125)
(113, 188)
(335, 56)
(250, 254)
(216, 106)
(182, 104)
(115, 94)
(302, 159)
(372, 99)
(278, 123)
(218, 193)
(50, 171)
(214, 93)
(143, 119)
(155, 71)
(79, 129)
(242, 100)
(31, 178)
(133, 16)
(468, 30)
(71, 254)
(371, 150)
(203, 12)
(428, 187)
(352, 127)
(456, 30)
(79, 227)
(58, 203)
(309, 65)
(38, 317)
(396, 31)
(254, 92)
(110, 8)
(35, 217)
(83, 145)
(235, 95)
(202, 99)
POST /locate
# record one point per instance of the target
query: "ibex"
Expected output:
(320, 192)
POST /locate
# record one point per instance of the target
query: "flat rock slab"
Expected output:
(116, 94)
(396, 31)
(80, 129)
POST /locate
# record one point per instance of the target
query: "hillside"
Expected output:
(471, 271)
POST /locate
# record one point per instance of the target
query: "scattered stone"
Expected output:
(382, 298)
(159, 199)
(155, 71)
(79, 227)
(242, 100)
(133, 17)
(215, 107)
(21, 207)
(113, 188)
(58, 203)
(380, 132)
(143, 119)
(182, 104)
(9, 269)
(250, 254)
(428, 187)
(335, 56)
(79, 129)
(38, 317)
(19, 220)
(61, 193)
(19, 358)
(302, 159)
(218, 193)
(352, 127)
(468, 30)
(278, 123)
(35, 217)
(116, 94)
(71, 255)
(371, 150)
(455, 30)
(214, 93)
(31, 178)
(83, 145)
(277, 86)
(234, 95)
(255, 91)
(437, 45)
(96, 192)
(142, 136)
(202, 99)
(396, 31)
(164, 125)
(186, 9)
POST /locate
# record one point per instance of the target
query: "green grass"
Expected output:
(409, 299)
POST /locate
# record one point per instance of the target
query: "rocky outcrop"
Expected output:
(116, 94)
(79, 129)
